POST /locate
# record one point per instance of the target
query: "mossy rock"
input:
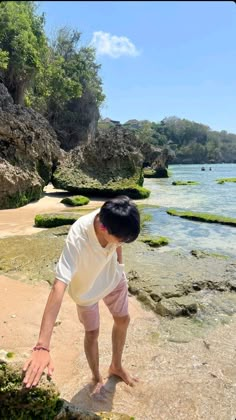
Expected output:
(223, 180)
(185, 183)
(20, 199)
(203, 254)
(54, 220)
(39, 403)
(93, 187)
(203, 217)
(78, 200)
(149, 173)
(155, 242)
(159, 173)
(19, 403)
(135, 192)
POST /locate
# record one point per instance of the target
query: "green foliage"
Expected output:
(4, 59)
(22, 45)
(53, 220)
(192, 142)
(185, 183)
(203, 217)
(78, 200)
(155, 242)
(67, 73)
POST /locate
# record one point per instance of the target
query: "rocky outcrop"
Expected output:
(109, 165)
(77, 123)
(42, 402)
(160, 164)
(29, 151)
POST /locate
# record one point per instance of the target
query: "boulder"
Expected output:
(29, 151)
(109, 165)
(41, 402)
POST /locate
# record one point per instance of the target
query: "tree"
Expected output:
(22, 46)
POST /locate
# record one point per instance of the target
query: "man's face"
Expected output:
(111, 239)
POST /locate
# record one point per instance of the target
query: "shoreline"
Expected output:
(187, 364)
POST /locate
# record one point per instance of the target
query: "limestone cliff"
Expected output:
(109, 165)
(29, 150)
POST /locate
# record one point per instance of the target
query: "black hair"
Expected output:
(121, 218)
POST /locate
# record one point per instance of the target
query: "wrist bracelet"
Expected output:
(40, 348)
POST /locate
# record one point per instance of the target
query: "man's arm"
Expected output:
(119, 254)
(41, 359)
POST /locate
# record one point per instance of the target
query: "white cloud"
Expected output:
(112, 45)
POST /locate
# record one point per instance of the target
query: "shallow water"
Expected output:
(208, 197)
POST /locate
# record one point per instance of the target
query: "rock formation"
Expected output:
(109, 165)
(29, 151)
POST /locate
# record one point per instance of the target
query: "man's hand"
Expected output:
(35, 366)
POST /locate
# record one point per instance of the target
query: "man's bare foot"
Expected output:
(97, 388)
(123, 374)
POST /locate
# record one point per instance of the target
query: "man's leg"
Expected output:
(89, 317)
(92, 354)
(119, 332)
(117, 303)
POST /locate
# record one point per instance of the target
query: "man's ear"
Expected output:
(102, 227)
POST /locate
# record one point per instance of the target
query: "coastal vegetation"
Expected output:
(203, 217)
(191, 142)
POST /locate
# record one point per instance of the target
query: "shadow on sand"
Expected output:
(102, 401)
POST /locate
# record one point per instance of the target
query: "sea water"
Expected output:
(207, 197)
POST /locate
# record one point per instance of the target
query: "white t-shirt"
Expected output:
(90, 270)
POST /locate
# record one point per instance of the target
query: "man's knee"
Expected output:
(122, 321)
(92, 335)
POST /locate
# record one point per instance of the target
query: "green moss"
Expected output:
(203, 254)
(203, 217)
(222, 180)
(20, 199)
(18, 403)
(155, 242)
(53, 220)
(185, 183)
(78, 200)
(149, 173)
(159, 173)
(10, 355)
(144, 218)
(100, 188)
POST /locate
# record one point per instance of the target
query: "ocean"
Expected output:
(207, 197)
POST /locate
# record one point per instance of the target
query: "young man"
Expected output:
(91, 266)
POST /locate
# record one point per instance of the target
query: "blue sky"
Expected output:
(159, 58)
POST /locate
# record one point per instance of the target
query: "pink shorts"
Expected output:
(116, 301)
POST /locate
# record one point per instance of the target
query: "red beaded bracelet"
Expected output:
(40, 348)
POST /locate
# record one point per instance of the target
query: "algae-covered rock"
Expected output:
(39, 403)
(185, 183)
(54, 220)
(108, 166)
(78, 200)
(17, 402)
(155, 242)
(203, 217)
